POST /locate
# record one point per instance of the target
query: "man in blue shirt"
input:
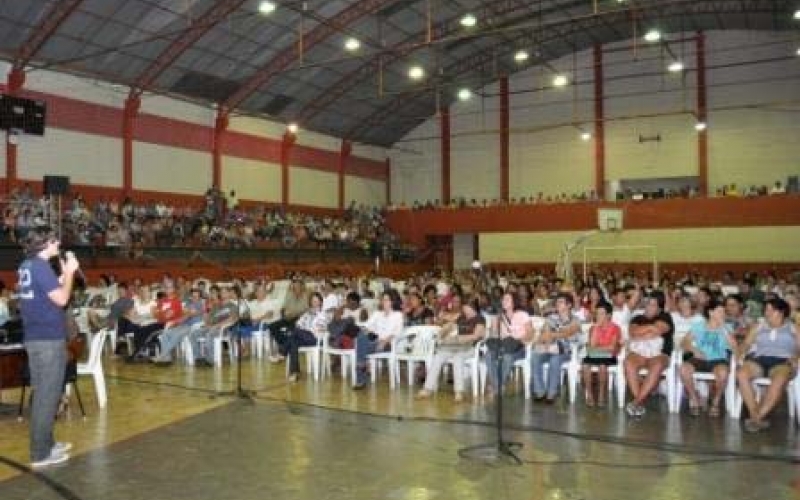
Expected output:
(42, 297)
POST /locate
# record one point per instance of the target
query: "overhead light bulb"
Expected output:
(700, 126)
(266, 7)
(521, 56)
(798, 52)
(469, 20)
(560, 81)
(797, 15)
(464, 95)
(652, 36)
(586, 136)
(292, 128)
(675, 67)
(416, 72)
(352, 44)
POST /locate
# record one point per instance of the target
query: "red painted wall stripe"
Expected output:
(81, 116)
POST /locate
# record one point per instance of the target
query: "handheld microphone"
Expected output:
(69, 254)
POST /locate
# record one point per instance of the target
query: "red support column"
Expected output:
(16, 79)
(599, 125)
(220, 125)
(286, 149)
(388, 181)
(504, 127)
(702, 114)
(444, 126)
(344, 154)
(129, 112)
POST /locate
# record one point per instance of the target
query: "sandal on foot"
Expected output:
(714, 411)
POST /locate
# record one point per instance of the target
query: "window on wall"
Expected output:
(656, 188)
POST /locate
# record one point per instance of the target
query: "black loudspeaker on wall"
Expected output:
(57, 185)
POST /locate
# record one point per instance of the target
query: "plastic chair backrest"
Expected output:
(419, 340)
(96, 348)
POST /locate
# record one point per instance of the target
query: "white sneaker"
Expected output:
(276, 358)
(53, 459)
(61, 448)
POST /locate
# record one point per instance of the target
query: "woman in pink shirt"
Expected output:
(515, 329)
(605, 340)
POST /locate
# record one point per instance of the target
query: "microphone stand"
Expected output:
(239, 392)
(500, 449)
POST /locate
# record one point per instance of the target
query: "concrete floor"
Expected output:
(165, 435)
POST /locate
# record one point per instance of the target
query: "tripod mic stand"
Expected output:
(239, 392)
(500, 449)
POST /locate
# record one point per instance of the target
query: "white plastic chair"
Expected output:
(375, 361)
(667, 381)
(348, 359)
(223, 336)
(313, 354)
(703, 381)
(94, 367)
(416, 345)
(759, 384)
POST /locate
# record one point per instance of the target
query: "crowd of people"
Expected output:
(755, 318)
(728, 190)
(221, 221)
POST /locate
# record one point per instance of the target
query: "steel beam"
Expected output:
(51, 20)
(218, 12)
(289, 55)
(562, 28)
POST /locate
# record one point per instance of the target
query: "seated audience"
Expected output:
(772, 348)
(552, 347)
(456, 346)
(650, 348)
(381, 329)
(308, 329)
(706, 349)
(603, 345)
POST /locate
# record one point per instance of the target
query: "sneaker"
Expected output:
(640, 410)
(360, 386)
(61, 448)
(423, 394)
(294, 377)
(630, 409)
(53, 459)
(276, 358)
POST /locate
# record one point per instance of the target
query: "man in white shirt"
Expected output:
(330, 301)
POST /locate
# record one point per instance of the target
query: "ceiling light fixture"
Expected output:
(586, 136)
(416, 72)
(560, 81)
(675, 67)
(700, 126)
(266, 7)
(652, 36)
(292, 128)
(521, 56)
(469, 20)
(797, 15)
(352, 44)
(464, 94)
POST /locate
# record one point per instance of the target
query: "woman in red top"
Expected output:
(605, 340)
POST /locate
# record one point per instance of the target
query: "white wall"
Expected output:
(752, 138)
(313, 187)
(758, 145)
(172, 108)
(251, 179)
(369, 192)
(84, 158)
(170, 169)
(416, 172)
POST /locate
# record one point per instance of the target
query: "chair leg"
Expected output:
(22, 402)
(100, 387)
(80, 400)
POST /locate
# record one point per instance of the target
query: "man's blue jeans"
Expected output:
(47, 362)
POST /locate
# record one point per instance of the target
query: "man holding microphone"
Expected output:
(42, 298)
